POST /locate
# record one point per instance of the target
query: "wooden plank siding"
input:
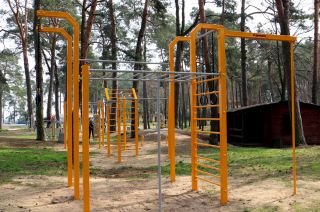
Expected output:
(269, 125)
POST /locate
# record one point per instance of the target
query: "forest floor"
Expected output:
(33, 178)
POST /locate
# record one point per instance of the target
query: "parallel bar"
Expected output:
(207, 93)
(207, 80)
(208, 145)
(206, 106)
(207, 166)
(207, 119)
(207, 173)
(208, 159)
(208, 181)
(208, 132)
(123, 61)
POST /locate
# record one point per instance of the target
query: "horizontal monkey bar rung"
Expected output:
(122, 61)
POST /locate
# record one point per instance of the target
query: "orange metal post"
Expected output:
(65, 124)
(223, 118)
(193, 101)
(108, 121)
(136, 121)
(293, 126)
(108, 130)
(102, 120)
(119, 128)
(85, 138)
(68, 111)
(99, 124)
(171, 109)
(125, 123)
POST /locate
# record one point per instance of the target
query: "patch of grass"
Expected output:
(3, 131)
(182, 169)
(23, 136)
(28, 161)
(124, 172)
(266, 162)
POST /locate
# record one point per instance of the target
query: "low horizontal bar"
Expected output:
(208, 159)
(208, 145)
(207, 80)
(208, 167)
(207, 132)
(156, 72)
(207, 173)
(208, 181)
(207, 93)
(205, 106)
(123, 61)
(206, 119)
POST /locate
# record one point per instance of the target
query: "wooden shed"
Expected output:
(269, 125)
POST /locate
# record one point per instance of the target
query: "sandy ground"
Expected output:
(125, 193)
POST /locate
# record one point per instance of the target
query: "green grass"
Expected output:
(257, 163)
(28, 161)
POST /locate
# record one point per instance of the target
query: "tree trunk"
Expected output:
(177, 65)
(51, 74)
(283, 13)
(243, 56)
(138, 56)
(113, 39)
(315, 53)
(214, 126)
(86, 26)
(144, 89)
(270, 79)
(56, 92)
(39, 76)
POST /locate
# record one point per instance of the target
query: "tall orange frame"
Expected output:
(192, 39)
(68, 104)
(66, 16)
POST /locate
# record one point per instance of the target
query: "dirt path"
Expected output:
(128, 193)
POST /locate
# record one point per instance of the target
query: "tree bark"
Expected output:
(270, 79)
(21, 21)
(283, 13)
(39, 74)
(138, 56)
(86, 26)
(243, 56)
(315, 53)
(51, 74)
(177, 65)
(56, 91)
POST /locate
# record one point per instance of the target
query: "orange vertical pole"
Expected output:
(108, 122)
(136, 124)
(294, 163)
(108, 132)
(124, 123)
(74, 23)
(119, 128)
(223, 118)
(65, 124)
(99, 125)
(85, 138)
(102, 120)
(76, 110)
(193, 101)
(171, 115)
(171, 110)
